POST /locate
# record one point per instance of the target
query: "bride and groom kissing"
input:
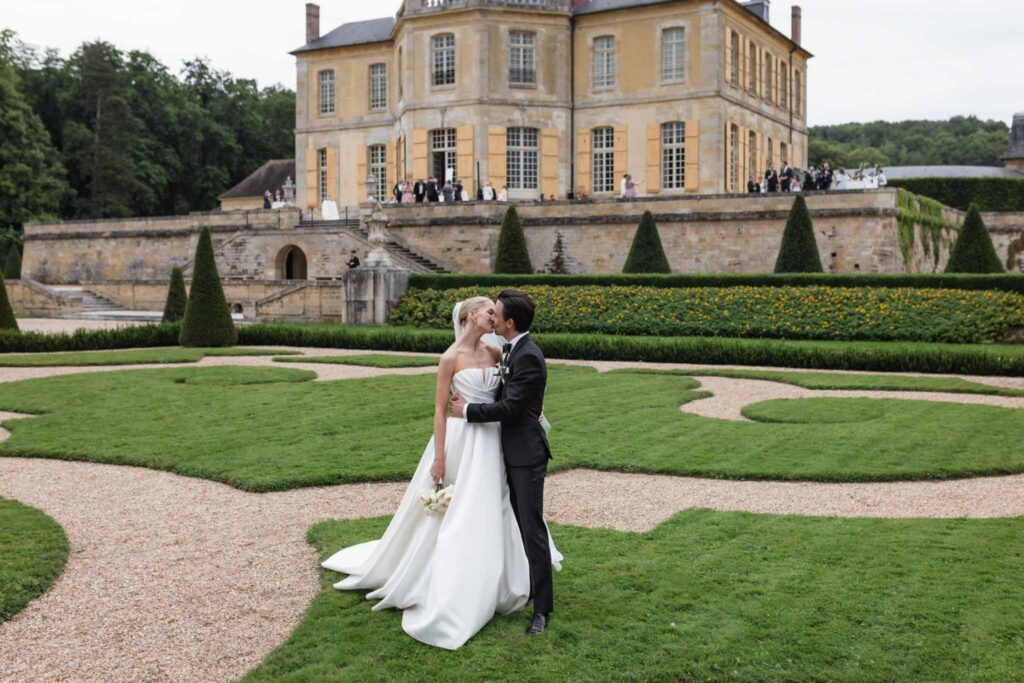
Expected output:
(490, 551)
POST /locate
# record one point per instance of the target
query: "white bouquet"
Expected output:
(436, 501)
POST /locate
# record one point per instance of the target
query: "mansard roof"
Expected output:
(353, 33)
(270, 176)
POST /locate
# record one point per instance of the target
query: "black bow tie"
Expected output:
(506, 349)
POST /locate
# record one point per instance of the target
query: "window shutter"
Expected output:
(653, 158)
(776, 90)
(583, 161)
(621, 155)
(758, 159)
(312, 185)
(419, 154)
(464, 159)
(361, 172)
(728, 55)
(743, 162)
(744, 63)
(693, 156)
(497, 162)
(391, 161)
(549, 162)
(760, 72)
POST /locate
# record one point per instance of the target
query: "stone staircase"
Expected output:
(82, 303)
(420, 261)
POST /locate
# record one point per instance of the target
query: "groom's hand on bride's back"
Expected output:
(458, 406)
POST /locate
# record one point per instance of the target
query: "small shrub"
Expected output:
(973, 251)
(177, 298)
(646, 255)
(207, 319)
(7, 319)
(799, 250)
(12, 268)
(513, 255)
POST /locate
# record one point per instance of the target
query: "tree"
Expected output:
(513, 256)
(207, 317)
(799, 250)
(12, 268)
(177, 298)
(646, 255)
(7, 319)
(973, 251)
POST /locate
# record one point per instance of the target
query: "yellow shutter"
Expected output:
(744, 63)
(776, 90)
(744, 170)
(758, 159)
(464, 162)
(419, 155)
(497, 160)
(653, 158)
(728, 55)
(549, 162)
(332, 173)
(621, 155)
(391, 159)
(693, 155)
(311, 179)
(361, 171)
(583, 162)
(760, 72)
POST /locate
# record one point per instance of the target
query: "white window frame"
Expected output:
(522, 58)
(673, 155)
(751, 84)
(733, 150)
(325, 79)
(769, 80)
(784, 85)
(673, 54)
(603, 159)
(604, 63)
(378, 87)
(377, 162)
(442, 60)
(522, 158)
(321, 157)
(734, 47)
(444, 140)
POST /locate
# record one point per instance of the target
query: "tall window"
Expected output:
(604, 159)
(673, 54)
(783, 152)
(522, 158)
(522, 65)
(673, 155)
(322, 168)
(443, 62)
(378, 86)
(401, 74)
(734, 158)
(798, 94)
(326, 93)
(604, 62)
(734, 49)
(784, 85)
(752, 68)
(751, 155)
(379, 170)
(443, 155)
(768, 81)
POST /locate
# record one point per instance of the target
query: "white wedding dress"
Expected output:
(451, 573)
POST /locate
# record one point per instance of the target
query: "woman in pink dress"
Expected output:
(631, 187)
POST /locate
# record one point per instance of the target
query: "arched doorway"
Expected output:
(291, 264)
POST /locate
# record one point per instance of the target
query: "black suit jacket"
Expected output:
(518, 406)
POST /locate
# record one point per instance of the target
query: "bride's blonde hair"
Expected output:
(470, 305)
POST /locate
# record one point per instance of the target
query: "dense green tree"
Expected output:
(799, 250)
(973, 251)
(7, 319)
(513, 257)
(12, 266)
(177, 298)
(207, 319)
(646, 255)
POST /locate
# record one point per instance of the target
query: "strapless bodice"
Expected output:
(476, 385)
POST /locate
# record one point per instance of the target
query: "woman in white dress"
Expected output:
(451, 573)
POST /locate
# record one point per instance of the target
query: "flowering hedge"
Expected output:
(881, 314)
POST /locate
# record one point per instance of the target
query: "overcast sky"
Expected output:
(874, 59)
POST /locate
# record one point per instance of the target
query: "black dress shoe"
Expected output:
(538, 625)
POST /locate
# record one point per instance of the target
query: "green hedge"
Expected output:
(143, 336)
(871, 314)
(990, 194)
(1006, 283)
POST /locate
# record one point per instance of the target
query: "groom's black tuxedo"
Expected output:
(526, 452)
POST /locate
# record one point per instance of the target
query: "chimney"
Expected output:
(312, 22)
(797, 20)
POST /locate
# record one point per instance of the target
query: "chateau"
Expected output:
(549, 97)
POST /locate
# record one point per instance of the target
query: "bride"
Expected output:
(451, 573)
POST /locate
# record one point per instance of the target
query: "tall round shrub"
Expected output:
(207, 319)
(973, 251)
(646, 255)
(177, 298)
(513, 257)
(7, 319)
(12, 269)
(799, 251)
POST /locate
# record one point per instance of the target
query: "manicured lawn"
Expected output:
(835, 380)
(711, 596)
(370, 360)
(131, 357)
(281, 431)
(33, 549)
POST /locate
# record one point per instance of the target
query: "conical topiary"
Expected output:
(12, 269)
(177, 298)
(973, 251)
(799, 250)
(7, 319)
(513, 257)
(646, 255)
(207, 317)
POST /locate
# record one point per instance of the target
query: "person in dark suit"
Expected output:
(786, 175)
(771, 177)
(752, 187)
(419, 190)
(353, 259)
(459, 187)
(433, 193)
(524, 445)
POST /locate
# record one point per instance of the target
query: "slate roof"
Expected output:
(899, 172)
(353, 33)
(269, 176)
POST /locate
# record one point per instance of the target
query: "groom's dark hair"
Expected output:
(519, 307)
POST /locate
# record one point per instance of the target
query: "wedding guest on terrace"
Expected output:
(771, 177)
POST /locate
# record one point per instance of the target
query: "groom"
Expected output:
(524, 377)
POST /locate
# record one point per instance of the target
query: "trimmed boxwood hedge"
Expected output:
(990, 194)
(1005, 283)
(141, 336)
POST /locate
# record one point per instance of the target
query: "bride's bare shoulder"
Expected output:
(448, 360)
